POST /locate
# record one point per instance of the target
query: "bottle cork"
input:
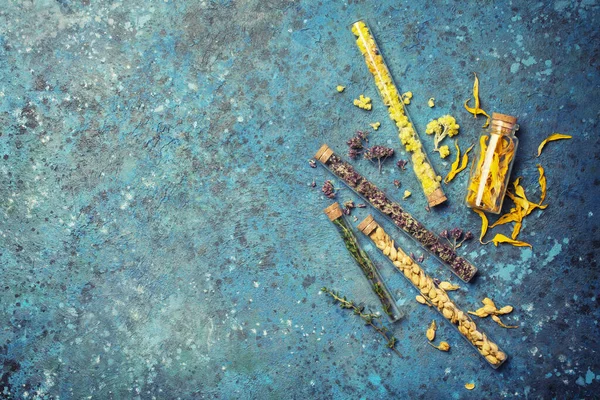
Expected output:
(334, 211)
(436, 198)
(368, 225)
(323, 154)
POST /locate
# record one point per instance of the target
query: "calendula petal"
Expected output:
(484, 224)
(551, 138)
(542, 181)
(499, 238)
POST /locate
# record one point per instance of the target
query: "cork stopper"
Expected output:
(368, 225)
(504, 124)
(505, 118)
(323, 154)
(436, 198)
(333, 211)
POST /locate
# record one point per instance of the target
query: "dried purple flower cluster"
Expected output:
(378, 153)
(431, 242)
(402, 164)
(356, 145)
(328, 189)
(456, 234)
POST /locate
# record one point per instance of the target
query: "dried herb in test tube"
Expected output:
(433, 295)
(403, 220)
(335, 214)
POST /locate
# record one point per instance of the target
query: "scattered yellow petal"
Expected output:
(455, 169)
(499, 322)
(469, 386)
(551, 138)
(444, 346)
(448, 286)
(431, 102)
(499, 238)
(431, 331)
(476, 110)
(375, 125)
(510, 216)
(542, 180)
(340, 88)
(484, 224)
(407, 194)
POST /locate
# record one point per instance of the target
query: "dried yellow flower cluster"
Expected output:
(363, 102)
(435, 296)
(430, 181)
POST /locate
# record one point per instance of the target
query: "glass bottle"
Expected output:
(371, 272)
(493, 163)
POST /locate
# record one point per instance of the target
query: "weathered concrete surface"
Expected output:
(159, 236)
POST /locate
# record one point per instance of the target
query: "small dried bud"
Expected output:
(444, 234)
(312, 163)
(396, 182)
(402, 164)
(328, 189)
(469, 235)
(361, 205)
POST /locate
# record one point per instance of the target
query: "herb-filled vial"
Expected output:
(334, 212)
(491, 168)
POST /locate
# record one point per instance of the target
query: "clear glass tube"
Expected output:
(490, 172)
(334, 212)
(429, 179)
(391, 209)
(435, 296)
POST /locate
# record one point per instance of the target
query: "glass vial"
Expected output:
(495, 155)
(334, 212)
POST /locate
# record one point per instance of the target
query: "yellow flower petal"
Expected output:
(551, 138)
(340, 88)
(431, 102)
(476, 110)
(499, 238)
(469, 386)
(484, 224)
(542, 180)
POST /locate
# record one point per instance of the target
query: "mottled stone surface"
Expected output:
(160, 238)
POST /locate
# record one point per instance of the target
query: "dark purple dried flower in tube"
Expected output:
(421, 258)
(361, 205)
(352, 153)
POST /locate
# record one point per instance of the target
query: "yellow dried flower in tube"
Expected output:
(447, 286)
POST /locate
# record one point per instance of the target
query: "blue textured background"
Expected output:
(160, 238)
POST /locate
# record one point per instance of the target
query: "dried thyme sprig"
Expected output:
(370, 319)
(365, 263)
